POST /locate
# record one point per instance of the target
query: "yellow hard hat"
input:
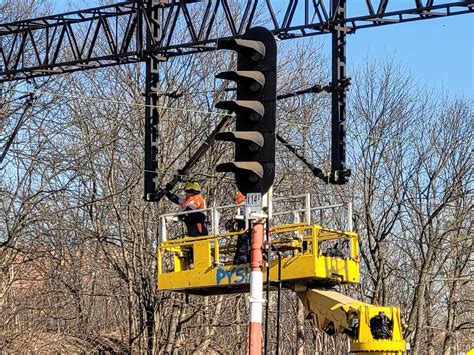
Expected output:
(194, 186)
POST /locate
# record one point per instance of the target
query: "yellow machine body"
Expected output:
(335, 311)
(203, 265)
(311, 261)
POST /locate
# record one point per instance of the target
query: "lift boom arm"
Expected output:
(372, 329)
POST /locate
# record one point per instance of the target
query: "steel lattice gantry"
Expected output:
(69, 42)
(153, 30)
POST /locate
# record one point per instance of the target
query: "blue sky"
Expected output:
(439, 52)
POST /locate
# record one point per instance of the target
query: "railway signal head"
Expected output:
(255, 110)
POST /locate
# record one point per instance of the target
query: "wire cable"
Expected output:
(119, 102)
(173, 94)
(210, 113)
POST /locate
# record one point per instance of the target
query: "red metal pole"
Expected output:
(256, 289)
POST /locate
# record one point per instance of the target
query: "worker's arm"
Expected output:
(172, 197)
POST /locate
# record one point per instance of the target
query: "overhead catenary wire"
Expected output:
(312, 89)
(119, 102)
(210, 113)
(316, 171)
(299, 91)
(215, 113)
(286, 144)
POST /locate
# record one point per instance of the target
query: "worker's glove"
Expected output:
(230, 225)
(168, 193)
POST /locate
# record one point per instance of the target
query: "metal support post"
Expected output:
(339, 172)
(308, 209)
(350, 225)
(163, 234)
(278, 306)
(267, 297)
(152, 19)
(152, 24)
(256, 266)
(215, 221)
(268, 203)
(256, 288)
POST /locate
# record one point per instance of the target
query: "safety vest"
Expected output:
(195, 202)
(239, 198)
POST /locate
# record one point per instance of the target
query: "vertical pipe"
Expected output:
(215, 221)
(355, 248)
(159, 260)
(314, 240)
(268, 197)
(349, 217)
(268, 245)
(267, 297)
(278, 305)
(308, 208)
(256, 289)
(163, 236)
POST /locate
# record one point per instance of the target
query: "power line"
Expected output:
(173, 94)
(210, 113)
(119, 102)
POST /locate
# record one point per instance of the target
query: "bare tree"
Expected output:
(78, 242)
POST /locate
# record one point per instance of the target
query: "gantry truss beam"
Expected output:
(116, 34)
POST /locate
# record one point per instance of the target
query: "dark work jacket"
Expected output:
(195, 222)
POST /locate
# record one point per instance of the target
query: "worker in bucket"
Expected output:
(242, 252)
(193, 200)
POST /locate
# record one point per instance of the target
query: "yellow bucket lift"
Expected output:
(311, 259)
(203, 265)
(310, 254)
